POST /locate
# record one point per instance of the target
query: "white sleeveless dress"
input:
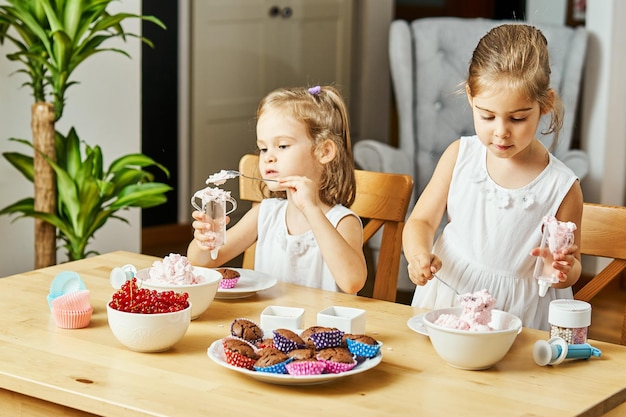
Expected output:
(296, 259)
(490, 233)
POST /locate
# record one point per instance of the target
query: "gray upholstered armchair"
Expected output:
(429, 59)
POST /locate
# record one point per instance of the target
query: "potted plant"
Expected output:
(73, 194)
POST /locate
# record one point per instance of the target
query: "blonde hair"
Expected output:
(324, 114)
(517, 54)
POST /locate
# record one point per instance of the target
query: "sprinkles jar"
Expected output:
(569, 320)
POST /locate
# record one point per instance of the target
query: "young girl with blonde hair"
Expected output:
(496, 187)
(305, 234)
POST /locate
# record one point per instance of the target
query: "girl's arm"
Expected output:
(419, 231)
(341, 247)
(238, 238)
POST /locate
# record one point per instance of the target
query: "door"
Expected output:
(243, 49)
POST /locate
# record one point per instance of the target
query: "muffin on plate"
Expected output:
(239, 353)
(287, 340)
(337, 359)
(247, 330)
(303, 367)
(272, 360)
(303, 353)
(230, 277)
(362, 345)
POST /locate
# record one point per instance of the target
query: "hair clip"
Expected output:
(315, 90)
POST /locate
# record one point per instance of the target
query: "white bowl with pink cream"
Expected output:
(471, 349)
(201, 294)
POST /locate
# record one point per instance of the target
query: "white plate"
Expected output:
(249, 284)
(416, 323)
(216, 353)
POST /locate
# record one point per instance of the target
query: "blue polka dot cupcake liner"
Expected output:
(362, 349)
(327, 339)
(279, 368)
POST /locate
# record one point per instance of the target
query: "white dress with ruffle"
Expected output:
(489, 234)
(296, 259)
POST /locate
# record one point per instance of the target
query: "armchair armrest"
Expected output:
(372, 155)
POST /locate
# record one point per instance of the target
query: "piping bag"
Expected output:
(556, 350)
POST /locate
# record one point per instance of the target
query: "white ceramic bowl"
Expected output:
(346, 319)
(466, 349)
(149, 332)
(200, 295)
(281, 317)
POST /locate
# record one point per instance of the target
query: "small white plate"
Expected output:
(249, 284)
(216, 353)
(416, 323)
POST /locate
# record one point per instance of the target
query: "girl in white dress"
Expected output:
(496, 188)
(306, 234)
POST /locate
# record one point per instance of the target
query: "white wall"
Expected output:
(604, 103)
(105, 108)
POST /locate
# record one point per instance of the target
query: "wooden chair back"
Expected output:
(603, 234)
(382, 200)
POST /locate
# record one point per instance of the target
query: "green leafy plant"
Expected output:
(88, 195)
(72, 193)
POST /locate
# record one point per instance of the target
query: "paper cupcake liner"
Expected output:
(228, 283)
(285, 345)
(279, 368)
(305, 367)
(72, 319)
(337, 367)
(237, 359)
(73, 301)
(363, 349)
(327, 339)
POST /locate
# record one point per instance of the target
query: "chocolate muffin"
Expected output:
(306, 334)
(362, 338)
(335, 354)
(336, 359)
(304, 353)
(240, 347)
(287, 340)
(228, 273)
(247, 330)
(269, 357)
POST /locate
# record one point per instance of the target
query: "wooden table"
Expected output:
(45, 370)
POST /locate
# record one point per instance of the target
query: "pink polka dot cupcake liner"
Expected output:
(305, 367)
(337, 367)
(327, 339)
(228, 283)
(279, 368)
(362, 349)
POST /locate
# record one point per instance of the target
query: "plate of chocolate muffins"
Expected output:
(216, 353)
(249, 283)
(311, 356)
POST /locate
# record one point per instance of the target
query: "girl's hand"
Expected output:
(201, 235)
(304, 192)
(422, 267)
(562, 262)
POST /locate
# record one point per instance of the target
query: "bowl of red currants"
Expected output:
(147, 320)
(201, 294)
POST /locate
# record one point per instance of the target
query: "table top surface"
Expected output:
(88, 369)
